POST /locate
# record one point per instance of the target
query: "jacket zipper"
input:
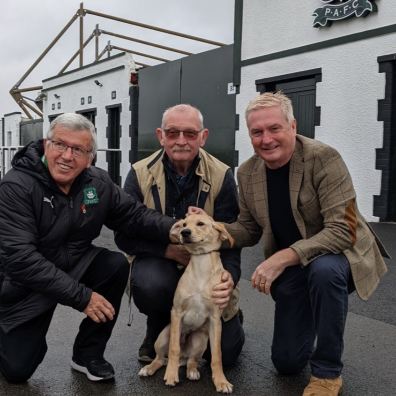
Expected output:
(69, 225)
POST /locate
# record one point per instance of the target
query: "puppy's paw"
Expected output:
(146, 371)
(151, 368)
(223, 386)
(193, 374)
(171, 377)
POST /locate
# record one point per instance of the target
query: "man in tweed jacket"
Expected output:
(298, 195)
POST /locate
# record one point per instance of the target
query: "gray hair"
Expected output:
(75, 123)
(271, 99)
(182, 108)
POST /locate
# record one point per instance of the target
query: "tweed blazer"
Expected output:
(323, 203)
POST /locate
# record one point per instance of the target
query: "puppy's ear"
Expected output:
(195, 210)
(174, 233)
(224, 234)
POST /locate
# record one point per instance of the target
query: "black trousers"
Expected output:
(154, 281)
(23, 348)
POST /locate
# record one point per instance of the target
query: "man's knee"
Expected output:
(120, 264)
(153, 287)
(151, 296)
(16, 372)
(329, 269)
(107, 269)
(154, 282)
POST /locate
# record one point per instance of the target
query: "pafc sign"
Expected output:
(342, 9)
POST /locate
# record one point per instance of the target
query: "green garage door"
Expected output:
(200, 80)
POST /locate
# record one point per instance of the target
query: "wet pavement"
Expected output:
(369, 357)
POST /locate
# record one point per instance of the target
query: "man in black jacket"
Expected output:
(53, 205)
(170, 180)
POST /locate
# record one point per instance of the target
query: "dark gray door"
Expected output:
(159, 88)
(113, 133)
(303, 96)
(30, 130)
(300, 87)
(200, 80)
(90, 114)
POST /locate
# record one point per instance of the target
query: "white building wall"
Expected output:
(351, 84)
(11, 129)
(81, 84)
(272, 26)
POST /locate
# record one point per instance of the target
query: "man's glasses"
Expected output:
(62, 147)
(173, 134)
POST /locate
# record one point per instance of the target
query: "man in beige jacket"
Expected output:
(181, 174)
(298, 195)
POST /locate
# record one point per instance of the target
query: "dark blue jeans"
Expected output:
(311, 303)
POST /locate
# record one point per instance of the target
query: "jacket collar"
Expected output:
(155, 168)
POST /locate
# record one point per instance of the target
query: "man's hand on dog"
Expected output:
(99, 309)
(177, 253)
(222, 291)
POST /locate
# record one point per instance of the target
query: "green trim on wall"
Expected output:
(238, 12)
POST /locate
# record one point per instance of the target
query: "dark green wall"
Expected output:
(200, 80)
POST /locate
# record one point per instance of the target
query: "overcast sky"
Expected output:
(27, 27)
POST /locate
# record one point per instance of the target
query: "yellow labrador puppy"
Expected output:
(194, 316)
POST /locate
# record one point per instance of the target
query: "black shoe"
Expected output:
(95, 369)
(155, 324)
(146, 350)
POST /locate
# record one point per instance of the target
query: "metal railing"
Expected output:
(6, 156)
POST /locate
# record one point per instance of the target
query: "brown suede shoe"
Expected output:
(323, 387)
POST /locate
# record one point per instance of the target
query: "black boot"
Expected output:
(154, 328)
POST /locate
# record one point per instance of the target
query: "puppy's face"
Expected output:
(200, 233)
